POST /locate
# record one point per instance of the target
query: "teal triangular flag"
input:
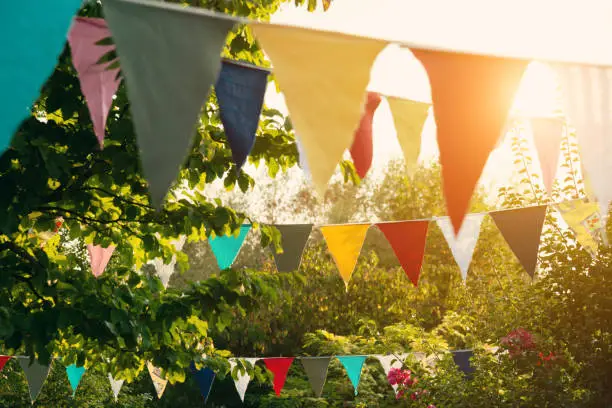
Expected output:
(35, 373)
(170, 56)
(35, 34)
(353, 366)
(74, 376)
(226, 247)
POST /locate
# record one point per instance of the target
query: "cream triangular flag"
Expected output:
(115, 386)
(547, 134)
(462, 246)
(323, 76)
(390, 361)
(344, 243)
(243, 377)
(584, 220)
(165, 271)
(158, 381)
(409, 118)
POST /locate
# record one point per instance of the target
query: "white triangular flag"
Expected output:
(391, 361)
(115, 385)
(462, 246)
(165, 271)
(242, 382)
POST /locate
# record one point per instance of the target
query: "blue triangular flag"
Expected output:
(462, 360)
(240, 91)
(205, 378)
(226, 247)
(35, 34)
(353, 365)
(75, 374)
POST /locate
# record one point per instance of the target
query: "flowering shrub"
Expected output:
(518, 342)
(405, 383)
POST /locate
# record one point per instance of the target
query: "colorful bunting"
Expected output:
(99, 257)
(169, 59)
(226, 247)
(74, 373)
(362, 148)
(35, 34)
(35, 373)
(409, 118)
(158, 381)
(407, 238)
(279, 366)
(391, 361)
(585, 221)
(324, 77)
(243, 377)
(471, 97)
(294, 238)
(547, 135)
(115, 386)
(240, 91)
(353, 366)
(587, 100)
(316, 370)
(204, 378)
(3, 361)
(462, 360)
(98, 83)
(522, 228)
(344, 243)
(462, 246)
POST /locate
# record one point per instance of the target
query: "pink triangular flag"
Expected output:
(99, 257)
(98, 84)
(547, 134)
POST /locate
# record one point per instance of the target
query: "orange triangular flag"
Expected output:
(471, 96)
(407, 238)
(344, 243)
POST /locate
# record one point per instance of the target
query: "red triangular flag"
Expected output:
(279, 367)
(361, 150)
(471, 96)
(3, 361)
(407, 238)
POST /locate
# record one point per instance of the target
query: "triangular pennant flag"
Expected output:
(316, 370)
(547, 135)
(302, 158)
(35, 35)
(165, 271)
(165, 96)
(587, 99)
(243, 377)
(462, 360)
(391, 361)
(344, 243)
(279, 366)
(471, 97)
(240, 91)
(353, 366)
(98, 83)
(99, 257)
(362, 148)
(3, 361)
(585, 221)
(35, 373)
(158, 381)
(74, 373)
(204, 378)
(409, 118)
(115, 386)
(462, 246)
(323, 76)
(522, 228)
(407, 238)
(226, 247)
(294, 238)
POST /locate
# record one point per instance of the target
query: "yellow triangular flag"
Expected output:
(344, 243)
(585, 221)
(323, 76)
(409, 118)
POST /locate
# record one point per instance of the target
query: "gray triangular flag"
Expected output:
(115, 386)
(294, 238)
(35, 373)
(169, 57)
(316, 370)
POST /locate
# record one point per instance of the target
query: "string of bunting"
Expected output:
(314, 367)
(323, 76)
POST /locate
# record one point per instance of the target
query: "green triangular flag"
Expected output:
(353, 366)
(35, 373)
(170, 57)
(316, 370)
